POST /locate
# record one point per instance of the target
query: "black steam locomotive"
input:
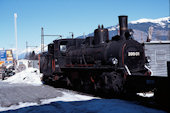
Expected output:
(95, 63)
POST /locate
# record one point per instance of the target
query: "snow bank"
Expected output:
(20, 105)
(92, 106)
(67, 97)
(28, 76)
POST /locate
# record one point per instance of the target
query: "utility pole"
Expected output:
(15, 23)
(42, 38)
(84, 36)
(26, 49)
(27, 46)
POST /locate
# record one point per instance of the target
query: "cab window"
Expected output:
(63, 48)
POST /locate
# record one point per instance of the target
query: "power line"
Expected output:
(42, 38)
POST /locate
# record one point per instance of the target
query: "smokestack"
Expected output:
(123, 25)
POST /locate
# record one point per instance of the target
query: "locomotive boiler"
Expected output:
(96, 63)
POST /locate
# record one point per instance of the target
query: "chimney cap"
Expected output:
(123, 16)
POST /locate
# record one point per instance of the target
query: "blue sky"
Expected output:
(63, 16)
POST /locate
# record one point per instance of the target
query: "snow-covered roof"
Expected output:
(158, 42)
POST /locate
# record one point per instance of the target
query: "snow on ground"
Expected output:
(28, 76)
(90, 106)
(20, 105)
(68, 96)
(32, 76)
(70, 101)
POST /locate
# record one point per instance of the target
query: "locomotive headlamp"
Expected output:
(114, 61)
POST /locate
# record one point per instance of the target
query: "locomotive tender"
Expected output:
(95, 63)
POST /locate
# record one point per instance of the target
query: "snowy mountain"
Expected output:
(22, 53)
(160, 21)
(161, 27)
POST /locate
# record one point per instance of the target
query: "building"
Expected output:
(159, 53)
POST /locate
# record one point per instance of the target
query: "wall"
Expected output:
(159, 53)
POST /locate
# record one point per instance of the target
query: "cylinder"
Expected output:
(123, 25)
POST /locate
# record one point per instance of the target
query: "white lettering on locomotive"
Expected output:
(133, 53)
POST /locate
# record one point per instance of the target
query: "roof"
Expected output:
(158, 42)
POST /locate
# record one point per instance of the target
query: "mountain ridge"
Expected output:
(140, 27)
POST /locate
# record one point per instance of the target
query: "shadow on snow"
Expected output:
(91, 106)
